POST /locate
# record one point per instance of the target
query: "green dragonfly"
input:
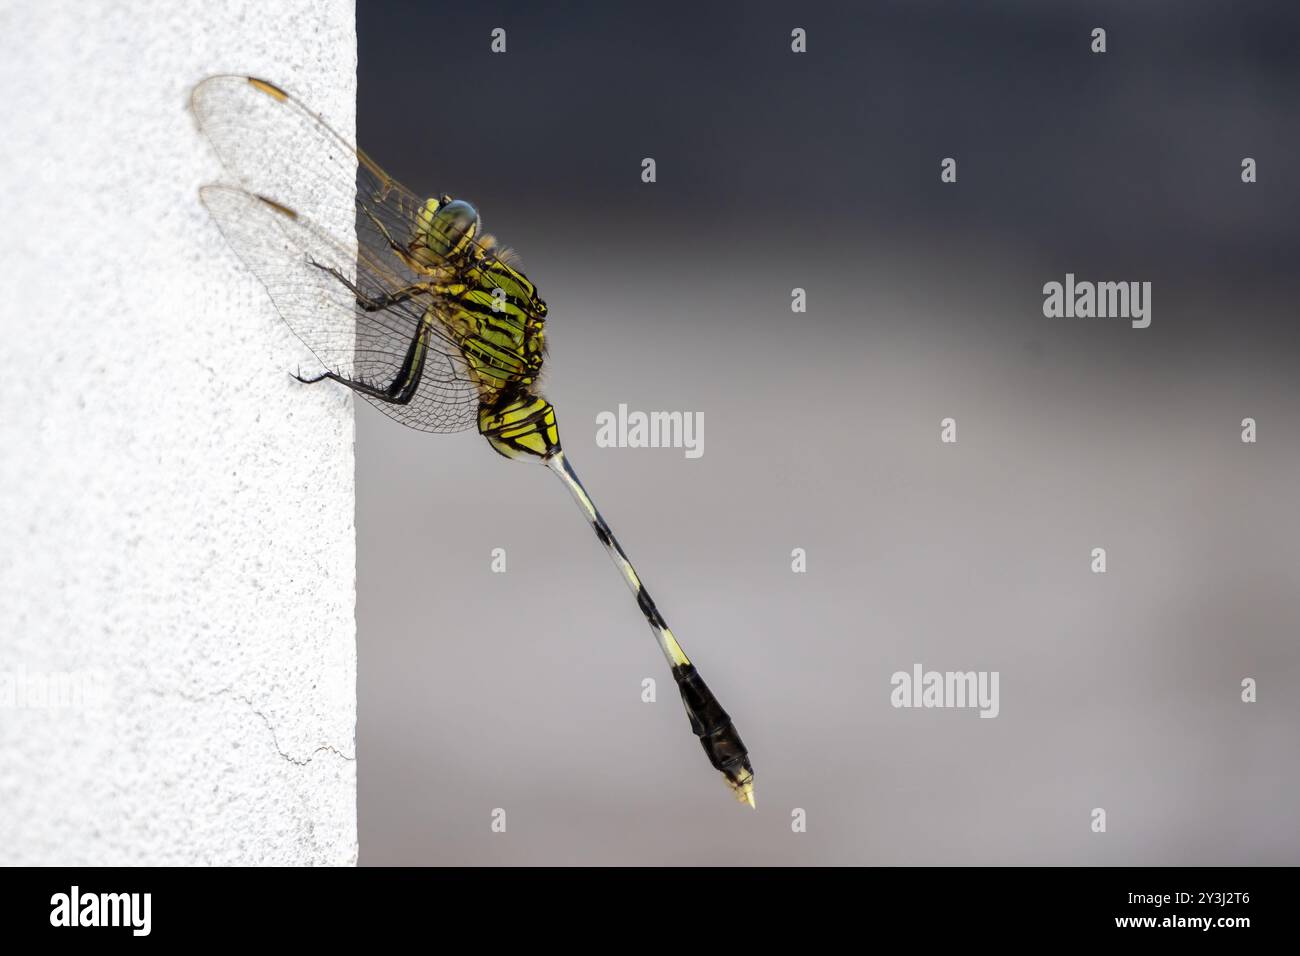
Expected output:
(422, 316)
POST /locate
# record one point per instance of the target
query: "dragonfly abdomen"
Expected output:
(520, 425)
(718, 735)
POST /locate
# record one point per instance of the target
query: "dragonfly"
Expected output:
(422, 314)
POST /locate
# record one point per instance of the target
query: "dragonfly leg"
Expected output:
(398, 250)
(405, 383)
(383, 231)
(297, 376)
(380, 302)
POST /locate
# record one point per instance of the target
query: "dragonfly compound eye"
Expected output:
(451, 228)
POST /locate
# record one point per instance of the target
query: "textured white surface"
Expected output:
(176, 514)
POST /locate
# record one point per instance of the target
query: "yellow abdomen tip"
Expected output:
(743, 789)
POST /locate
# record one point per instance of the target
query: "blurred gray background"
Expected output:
(775, 170)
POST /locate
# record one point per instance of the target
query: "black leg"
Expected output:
(375, 303)
(405, 383)
(407, 380)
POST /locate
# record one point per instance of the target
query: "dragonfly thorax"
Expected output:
(499, 322)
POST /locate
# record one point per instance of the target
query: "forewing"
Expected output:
(274, 146)
(319, 188)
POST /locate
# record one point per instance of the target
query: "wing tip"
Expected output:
(206, 193)
(267, 87)
(279, 207)
(257, 83)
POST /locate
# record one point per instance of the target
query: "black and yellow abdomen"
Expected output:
(520, 425)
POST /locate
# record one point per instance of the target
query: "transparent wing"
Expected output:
(300, 266)
(300, 188)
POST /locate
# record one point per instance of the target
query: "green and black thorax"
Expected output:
(498, 321)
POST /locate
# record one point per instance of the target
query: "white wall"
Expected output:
(176, 514)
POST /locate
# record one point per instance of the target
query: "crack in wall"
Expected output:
(275, 739)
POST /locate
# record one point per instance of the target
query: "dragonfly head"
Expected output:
(446, 226)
